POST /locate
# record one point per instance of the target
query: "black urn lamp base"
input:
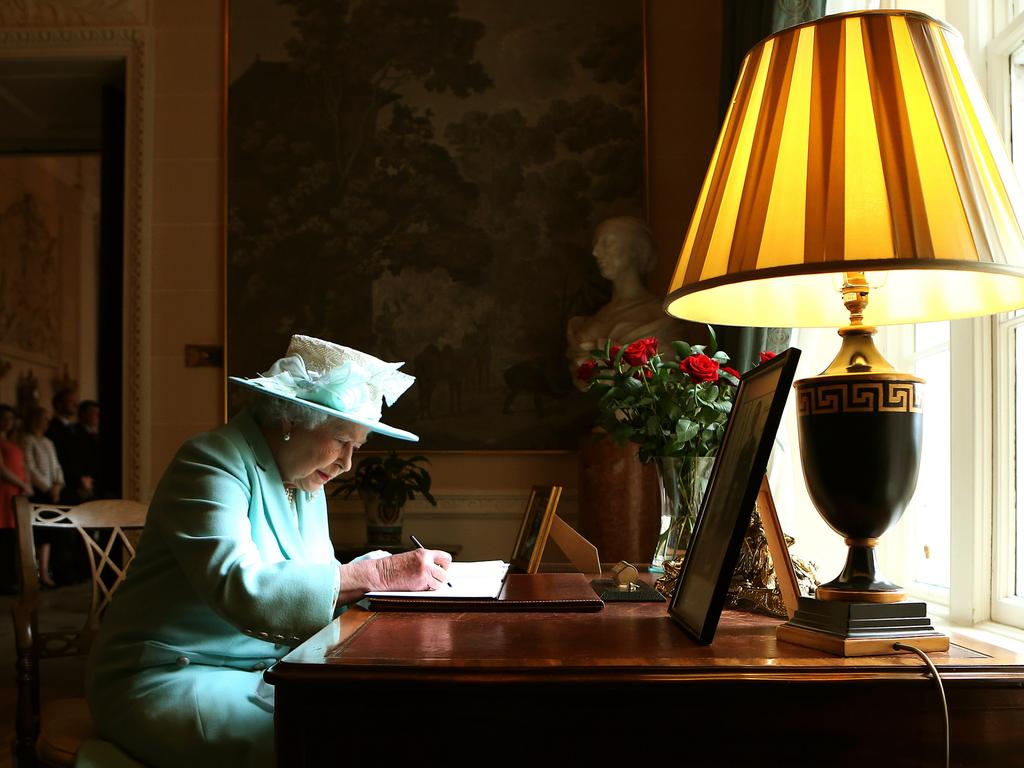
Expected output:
(860, 581)
(861, 629)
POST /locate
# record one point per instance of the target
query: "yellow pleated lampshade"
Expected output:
(857, 143)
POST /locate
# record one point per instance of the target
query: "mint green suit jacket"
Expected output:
(229, 575)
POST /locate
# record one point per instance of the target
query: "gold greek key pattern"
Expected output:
(860, 397)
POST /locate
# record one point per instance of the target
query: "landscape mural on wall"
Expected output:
(420, 179)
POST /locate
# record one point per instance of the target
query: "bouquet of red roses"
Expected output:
(672, 405)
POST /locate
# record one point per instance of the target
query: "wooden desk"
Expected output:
(626, 687)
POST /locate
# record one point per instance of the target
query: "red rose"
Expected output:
(645, 373)
(731, 371)
(640, 351)
(700, 368)
(587, 370)
(766, 356)
(613, 352)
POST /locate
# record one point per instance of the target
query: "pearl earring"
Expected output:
(287, 436)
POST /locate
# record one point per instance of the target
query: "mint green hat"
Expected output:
(340, 381)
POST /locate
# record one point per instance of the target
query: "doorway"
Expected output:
(62, 266)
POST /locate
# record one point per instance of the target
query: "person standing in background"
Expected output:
(47, 478)
(13, 482)
(83, 472)
(61, 433)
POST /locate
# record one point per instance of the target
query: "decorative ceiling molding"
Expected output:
(47, 13)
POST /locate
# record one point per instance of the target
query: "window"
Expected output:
(1005, 61)
(960, 544)
(916, 552)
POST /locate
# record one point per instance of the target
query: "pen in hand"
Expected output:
(420, 546)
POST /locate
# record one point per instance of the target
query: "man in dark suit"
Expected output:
(67, 559)
(62, 432)
(86, 440)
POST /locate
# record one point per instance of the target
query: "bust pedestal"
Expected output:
(619, 503)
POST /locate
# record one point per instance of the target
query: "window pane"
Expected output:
(930, 555)
(1017, 466)
(1017, 110)
(929, 335)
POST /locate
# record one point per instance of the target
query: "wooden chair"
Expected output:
(51, 737)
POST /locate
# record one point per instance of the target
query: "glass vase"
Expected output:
(683, 481)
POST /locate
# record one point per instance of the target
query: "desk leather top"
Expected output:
(625, 641)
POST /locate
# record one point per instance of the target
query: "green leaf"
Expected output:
(633, 384)
(682, 349)
(706, 393)
(720, 357)
(713, 345)
(686, 430)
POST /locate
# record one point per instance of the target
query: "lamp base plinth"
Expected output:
(861, 629)
(862, 596)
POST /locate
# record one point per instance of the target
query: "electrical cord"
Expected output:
(938, 682)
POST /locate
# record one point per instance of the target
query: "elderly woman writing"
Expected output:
(235, 565)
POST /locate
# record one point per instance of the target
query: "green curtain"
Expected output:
(744, 24)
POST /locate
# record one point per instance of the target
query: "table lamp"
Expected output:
(858, 181)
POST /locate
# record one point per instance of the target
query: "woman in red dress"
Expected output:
(13, 482)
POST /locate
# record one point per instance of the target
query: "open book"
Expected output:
(481, 580)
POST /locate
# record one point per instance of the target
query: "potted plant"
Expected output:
(385, 484)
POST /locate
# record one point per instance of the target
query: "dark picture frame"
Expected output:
(733, 489)
(421, 181)
(534, 528)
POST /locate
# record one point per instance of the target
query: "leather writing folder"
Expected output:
(556, 592)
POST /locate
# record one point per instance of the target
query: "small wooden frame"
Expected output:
(541, 524)
(785, 574)
(534, 529)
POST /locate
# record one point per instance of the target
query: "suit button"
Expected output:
(259, 666)
(182, 661)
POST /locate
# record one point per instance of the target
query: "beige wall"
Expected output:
(187, 273)
(481, 495)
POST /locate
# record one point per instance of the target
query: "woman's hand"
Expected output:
(55, 492)
(415, 570)
(420, 569)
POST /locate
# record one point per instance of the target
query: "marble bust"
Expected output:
(624, 250)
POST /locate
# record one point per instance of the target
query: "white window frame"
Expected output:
(999, 426)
